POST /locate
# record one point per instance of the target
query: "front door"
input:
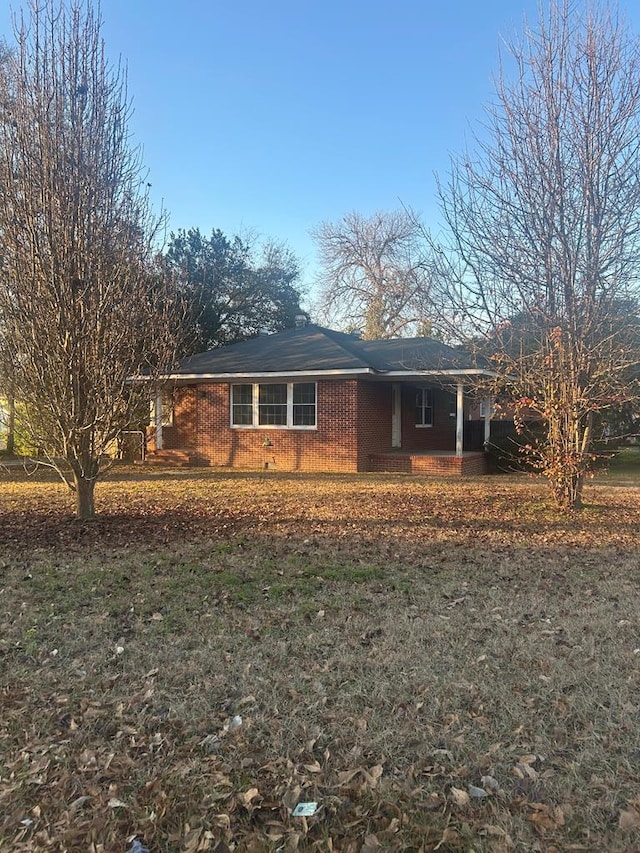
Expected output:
(396, 415)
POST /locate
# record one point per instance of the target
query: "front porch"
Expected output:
(438, 463)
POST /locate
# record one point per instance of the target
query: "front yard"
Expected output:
(440, 665)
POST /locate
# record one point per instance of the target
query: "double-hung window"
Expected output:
(303, 404)
(272, 404)
(424, 407)
(283, 405)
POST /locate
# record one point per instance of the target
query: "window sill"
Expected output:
(278, 427)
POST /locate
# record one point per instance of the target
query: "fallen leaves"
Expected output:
(629, 818)
(545, 817)
(281, 642)
(247, 797)
(460, 797)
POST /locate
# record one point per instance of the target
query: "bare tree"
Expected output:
(373, 275)
(542, 267)
(81, 308)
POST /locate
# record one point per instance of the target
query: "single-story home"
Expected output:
(312, 399)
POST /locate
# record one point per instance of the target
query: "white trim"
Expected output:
(459, 419)
(320, 374)
(467, 371)
(276, 376)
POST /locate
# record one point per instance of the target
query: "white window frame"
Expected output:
(255, 397)
(423, 407)
(483, 408)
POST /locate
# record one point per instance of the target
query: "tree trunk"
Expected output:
(84, 489)
(567, 490)
(570, 441)
(11, 426)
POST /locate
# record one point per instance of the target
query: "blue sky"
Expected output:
(274, 116)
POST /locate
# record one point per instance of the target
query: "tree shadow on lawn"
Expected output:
(606, 527)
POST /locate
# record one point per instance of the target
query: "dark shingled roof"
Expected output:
(312, 349)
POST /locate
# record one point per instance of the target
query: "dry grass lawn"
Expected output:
(440, 665)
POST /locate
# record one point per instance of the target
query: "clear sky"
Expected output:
(274, 116)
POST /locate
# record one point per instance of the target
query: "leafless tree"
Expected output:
(373, 276)
(81, 307)
(541, 270)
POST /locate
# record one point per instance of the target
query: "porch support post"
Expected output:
(459, 419)
(488, 407)
(158, 421)
(396, 415)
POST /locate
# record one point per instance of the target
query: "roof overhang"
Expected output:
(452, 374)
(293, 375)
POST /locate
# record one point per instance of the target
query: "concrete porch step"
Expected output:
(171, 457)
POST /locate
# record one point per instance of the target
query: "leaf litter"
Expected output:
(470, 683)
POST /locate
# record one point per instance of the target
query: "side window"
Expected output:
(424, 407)
(304, 404)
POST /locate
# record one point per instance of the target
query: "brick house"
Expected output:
(311, 399)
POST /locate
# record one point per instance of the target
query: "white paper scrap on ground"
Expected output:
(305, 809)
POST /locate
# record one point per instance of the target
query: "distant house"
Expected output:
(311, 399)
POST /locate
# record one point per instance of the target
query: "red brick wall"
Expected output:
(440, 465)
(202, 425)
(353, 422)
(440, 436)
(180, 434)
(374, 420)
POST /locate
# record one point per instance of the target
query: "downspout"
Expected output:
(459, 419)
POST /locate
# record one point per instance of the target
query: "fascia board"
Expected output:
(466, 371)
(293, 374)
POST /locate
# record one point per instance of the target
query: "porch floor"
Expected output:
(438, 462)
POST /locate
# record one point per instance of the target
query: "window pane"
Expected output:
(304, 392)
(272, 405)
(419, 407)
(304, 404)
(242, 415)
(242, 393)
(242, 406)
(273, 394)
(424, 407)
(304, 415)
(272, 414)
